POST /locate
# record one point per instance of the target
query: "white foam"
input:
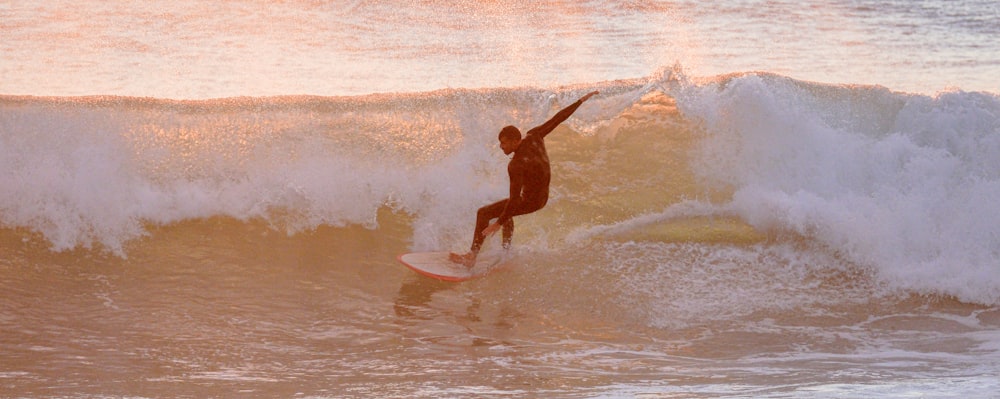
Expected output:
(684, 209)
(88, 172)
(686, 284)
(903, 183)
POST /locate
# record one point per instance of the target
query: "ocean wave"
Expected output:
(898, 182)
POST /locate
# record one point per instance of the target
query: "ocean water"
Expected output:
(767, 199)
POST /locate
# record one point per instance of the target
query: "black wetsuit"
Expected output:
(529, 181)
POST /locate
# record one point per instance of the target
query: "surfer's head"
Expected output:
(509, 138)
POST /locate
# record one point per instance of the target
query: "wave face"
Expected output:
(901, 184)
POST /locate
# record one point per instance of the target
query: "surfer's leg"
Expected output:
(508, 228)
(508, 233)
(483, 218)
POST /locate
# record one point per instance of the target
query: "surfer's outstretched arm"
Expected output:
(560, 117)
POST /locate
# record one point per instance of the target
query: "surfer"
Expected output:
(529, 173)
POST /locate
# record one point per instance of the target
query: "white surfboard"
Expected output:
(437, 265)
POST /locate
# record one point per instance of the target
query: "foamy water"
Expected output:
(712, 231)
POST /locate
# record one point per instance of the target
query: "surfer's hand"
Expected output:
(588, 96)
(489, 230)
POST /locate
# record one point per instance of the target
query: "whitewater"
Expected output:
(765, 200)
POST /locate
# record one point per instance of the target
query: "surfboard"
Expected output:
(436, 265)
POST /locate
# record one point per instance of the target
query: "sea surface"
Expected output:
(768, 199)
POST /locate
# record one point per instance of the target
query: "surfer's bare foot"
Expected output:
(467, 260)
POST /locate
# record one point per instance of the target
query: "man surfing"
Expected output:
(529, 173)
